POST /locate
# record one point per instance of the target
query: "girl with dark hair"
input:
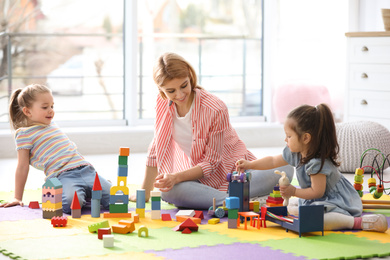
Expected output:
(312, 148)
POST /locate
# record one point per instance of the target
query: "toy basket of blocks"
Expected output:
(356, 137)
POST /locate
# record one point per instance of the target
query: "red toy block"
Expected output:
(103, 231)
(33, 205)
(59, 221)
(166, 217)
(199, 214)
(188, 223)
(186, 231)
(75, 202)
(96, 184)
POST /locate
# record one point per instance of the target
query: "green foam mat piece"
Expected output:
(330, 246)
(88, 244)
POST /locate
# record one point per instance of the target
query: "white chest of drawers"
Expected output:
(368, 80)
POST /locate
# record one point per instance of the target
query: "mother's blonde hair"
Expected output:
(171, 66)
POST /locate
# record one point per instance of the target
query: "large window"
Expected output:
(77, 49)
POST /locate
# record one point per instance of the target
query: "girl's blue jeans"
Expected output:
(81, 180)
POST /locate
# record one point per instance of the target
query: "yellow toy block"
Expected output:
(51, 206)
(115, 189)
(122, 181)
(213, 221)
(140, 212)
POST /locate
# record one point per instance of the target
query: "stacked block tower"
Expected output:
(119, 194)
(52, 198)
(233, 204)
(274, 198)
(155, 197)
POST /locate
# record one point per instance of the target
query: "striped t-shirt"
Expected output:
(50, 149)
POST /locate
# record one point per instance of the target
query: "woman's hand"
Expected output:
(242, 165)
(165, 182)
(12, 203)
(287, 191)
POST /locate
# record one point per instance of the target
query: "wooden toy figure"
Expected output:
(283, 181)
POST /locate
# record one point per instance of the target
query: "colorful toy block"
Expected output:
(232, 202)
(96, 197)
(186, 231)
(33, 205)
(166, 217)
(124, 151)
(94, 227)
(136, 218)
(213, 221)
(140, 212)
(108, 240)
(52, 198)
(143, 230)
(121, 229)
(140, 199)
(232, 223)
(75, 206)
(59, 221)
(116, 215)
(183, 218)
(188, 223)
(103, 231)
(155, 214)
(188, 213)
(199, 214)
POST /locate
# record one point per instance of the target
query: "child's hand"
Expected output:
(12, 203)
(287, 191)
(242, 165)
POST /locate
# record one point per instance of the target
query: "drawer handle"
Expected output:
(364, 76)
(363, 102)
(364, 48)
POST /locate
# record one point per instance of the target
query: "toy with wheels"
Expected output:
(219, 212)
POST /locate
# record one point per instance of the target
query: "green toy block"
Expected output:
(119, 208)
(122, 160)
(94, 227)
(155, 198)
(232, 213)
(274, 195)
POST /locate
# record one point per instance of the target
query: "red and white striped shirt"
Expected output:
(215, 145)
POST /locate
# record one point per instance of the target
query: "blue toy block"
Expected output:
(120, 199)
(95, 208)
(156, 205)
(233, 202)
(240, 190)
(141, 199)
(97, 194)
(123, 170)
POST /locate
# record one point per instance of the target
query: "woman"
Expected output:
(194, 145)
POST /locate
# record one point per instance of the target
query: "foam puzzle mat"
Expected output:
(24, 234)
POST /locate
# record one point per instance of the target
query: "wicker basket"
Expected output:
(386, 18)
(356, 137)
